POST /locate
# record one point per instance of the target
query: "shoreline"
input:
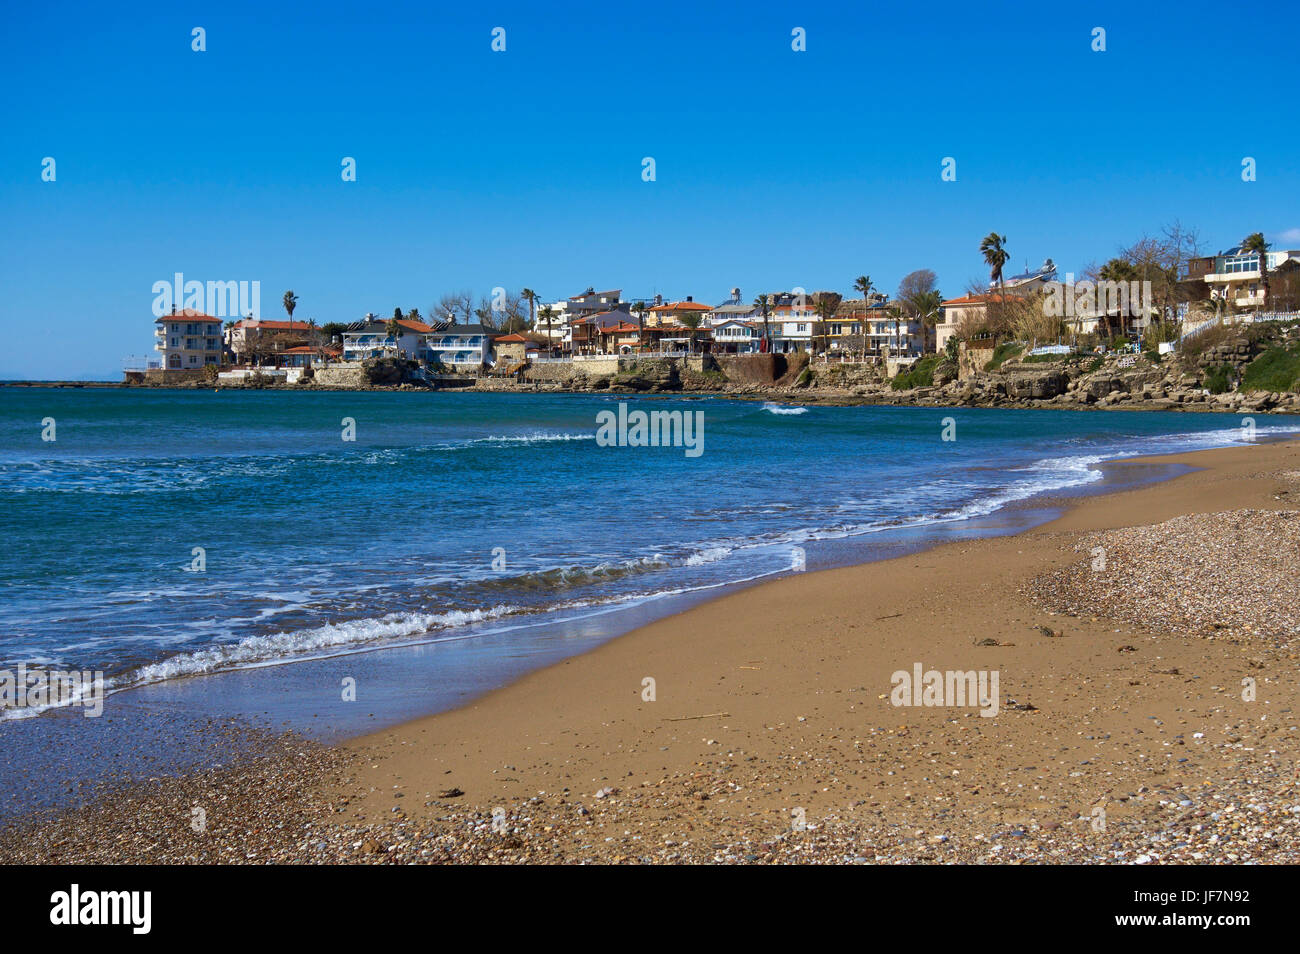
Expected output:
(1235, 402)
(778, 677)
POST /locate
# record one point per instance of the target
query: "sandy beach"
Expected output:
(1135, 722)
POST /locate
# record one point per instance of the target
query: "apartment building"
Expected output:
(188, 340)
(1233, 276)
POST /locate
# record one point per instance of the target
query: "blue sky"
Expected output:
(478, 169)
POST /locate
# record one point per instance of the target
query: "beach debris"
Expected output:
(451, 793)
(707, 715)
(1049, 632)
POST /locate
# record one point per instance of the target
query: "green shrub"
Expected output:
(1218, 379)
(1008, 349)
(1277, 369)
(1095, 364)
(919, 375)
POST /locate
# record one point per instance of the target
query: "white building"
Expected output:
(737, 337)
(370, 338)
(188, 340)
(459, 346)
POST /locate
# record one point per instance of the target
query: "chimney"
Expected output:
(689, 298)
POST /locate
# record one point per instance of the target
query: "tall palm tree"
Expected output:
(927, 306)
(1255, 243)
(639, 310)
(531, 297)
(764, 305)
(863, 284)
(547, 314)
(290, 303)
(826, 306)
(993, 248)
(691, 320)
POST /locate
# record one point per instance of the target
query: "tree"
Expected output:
(1255, 243)
(393, 329)
(764, 305)
(993, 248)
(691, 320)
(926, 306)
(916, 283)
(639, 309)
(826, 304)
(530, 296)
(864, 285)
(547, 314)
(397, 314)
(290, 303)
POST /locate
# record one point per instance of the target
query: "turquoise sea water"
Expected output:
(451, 509)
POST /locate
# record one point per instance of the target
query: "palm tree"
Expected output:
(863, 284)
(764, 305)
(691, 320)
(1255, 243)
(393, 329)
(993, 247)
(547, 314)
(639, 310)
(826, 305)
(531, 297)
(290, 303)
(927, 306)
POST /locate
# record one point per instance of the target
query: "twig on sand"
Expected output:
(707, 715)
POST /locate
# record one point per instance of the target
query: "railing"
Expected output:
(141, 363)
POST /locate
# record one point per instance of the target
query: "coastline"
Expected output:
(784, 708)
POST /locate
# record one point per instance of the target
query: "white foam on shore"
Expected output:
(302, 644)
(783, 409)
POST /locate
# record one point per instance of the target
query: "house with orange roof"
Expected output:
(671, 313)
(250, 337)
(188, 339)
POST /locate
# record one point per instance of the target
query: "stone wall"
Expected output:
(340, 376)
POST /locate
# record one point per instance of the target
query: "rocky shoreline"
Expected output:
(1211, 378)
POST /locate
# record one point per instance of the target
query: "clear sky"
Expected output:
(476, 168)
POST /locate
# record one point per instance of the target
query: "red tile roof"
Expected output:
(514, 339)
(188, 314)
(683, 306)
(273, 325)
(419, 326)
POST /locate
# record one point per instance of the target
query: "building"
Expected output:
(737, 337)
(464, 347)
(1233, 275)
(733, 309)
(611, 332)
(370, 338)
(250, 338)
(189, 340)
(671, 313)
(793, 319)
(513, 349)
